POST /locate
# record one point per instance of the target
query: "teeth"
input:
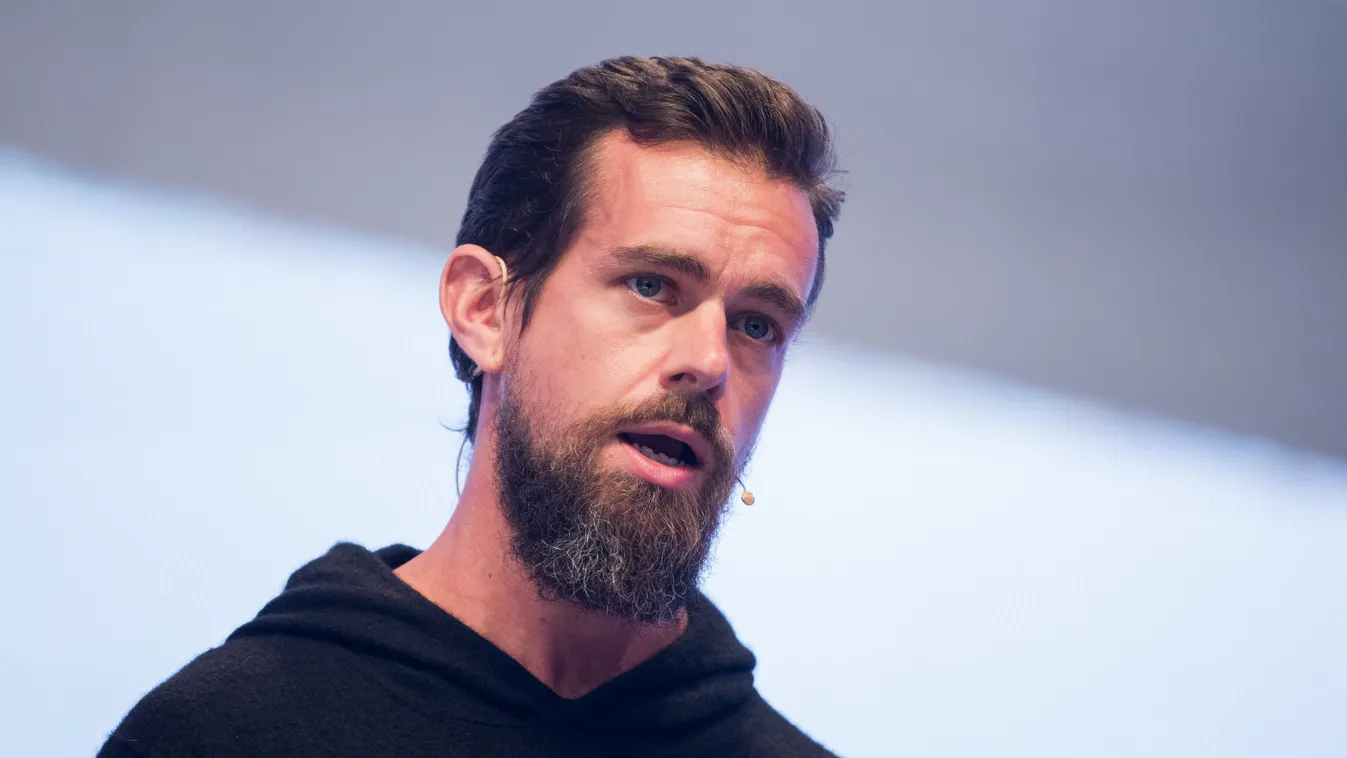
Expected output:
(655, 455)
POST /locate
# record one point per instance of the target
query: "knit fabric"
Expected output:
(350, 661)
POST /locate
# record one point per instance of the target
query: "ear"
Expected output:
(472, 299)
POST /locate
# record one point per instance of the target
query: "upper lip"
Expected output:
(700, 447)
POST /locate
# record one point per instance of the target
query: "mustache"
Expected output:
(691, 409)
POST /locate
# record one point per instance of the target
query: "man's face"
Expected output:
(631, 402)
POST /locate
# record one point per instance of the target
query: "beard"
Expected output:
(601, 537)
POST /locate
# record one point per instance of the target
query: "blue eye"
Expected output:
(757, 327)
(646, 285)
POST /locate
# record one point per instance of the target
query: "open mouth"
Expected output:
(662, 449)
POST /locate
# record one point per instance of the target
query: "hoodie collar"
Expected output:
(351, 597)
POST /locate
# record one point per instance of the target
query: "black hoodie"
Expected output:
(349, 660)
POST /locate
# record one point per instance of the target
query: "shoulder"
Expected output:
(230, 697)
(768, 733)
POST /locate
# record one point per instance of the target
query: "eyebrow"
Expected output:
(662, 257)
(692, 267)
(780, 297)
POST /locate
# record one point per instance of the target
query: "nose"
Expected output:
(699, 360)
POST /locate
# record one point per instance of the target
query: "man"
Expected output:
(641, 245)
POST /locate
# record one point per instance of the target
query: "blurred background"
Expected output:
(1060, 467)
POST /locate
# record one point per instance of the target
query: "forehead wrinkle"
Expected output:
(749, 228)
(743, 201)
(741, 216)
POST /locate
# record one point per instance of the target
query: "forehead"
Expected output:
(680, 195)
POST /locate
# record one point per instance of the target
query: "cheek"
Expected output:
(753, 398)
(577, 365)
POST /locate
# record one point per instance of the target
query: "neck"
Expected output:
(469, 572)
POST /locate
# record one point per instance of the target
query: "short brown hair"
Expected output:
(526, 202)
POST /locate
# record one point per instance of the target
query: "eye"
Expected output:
(649, 286)
(757, 327)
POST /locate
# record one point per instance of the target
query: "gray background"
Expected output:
(1142, 202)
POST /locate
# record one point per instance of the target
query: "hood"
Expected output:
(350, 597)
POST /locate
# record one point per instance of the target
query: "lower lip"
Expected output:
(673, 477)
